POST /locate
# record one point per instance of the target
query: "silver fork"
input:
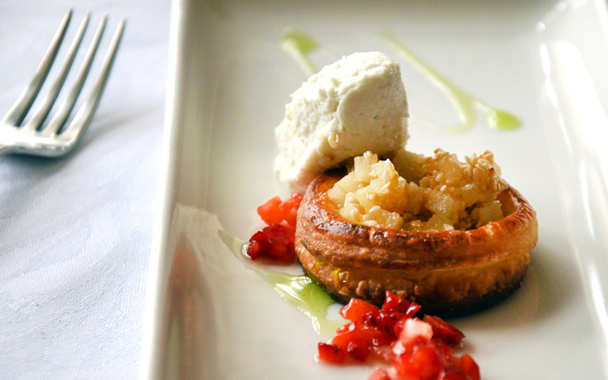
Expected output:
(57, 137)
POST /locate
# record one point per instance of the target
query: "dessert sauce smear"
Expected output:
(299, 45)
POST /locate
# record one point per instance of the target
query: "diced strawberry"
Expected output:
(422, 362)
(379, 374)
(382, 353)
(461, 368)
(270, 211)
(258, 245)
(344, 335)
(416, 349)
(384, 320)
(282, 243)
(276, 211)
(444, 348)
(399, 326)
(348, 337)
(331, 353)
(289, 209)
(357, 350)
(345, 328)
(275, 242)
(279, 234)
(355, 310)
(444, 331)
(393, 301)
(358, 340)
(469, 367)
(375, 337)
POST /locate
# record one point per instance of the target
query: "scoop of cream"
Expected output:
(354, 105)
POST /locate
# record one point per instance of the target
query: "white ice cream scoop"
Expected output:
(354, 105)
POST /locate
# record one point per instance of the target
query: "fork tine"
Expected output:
(40, 115)
(86, 111)
(17, 113)
(68, 104)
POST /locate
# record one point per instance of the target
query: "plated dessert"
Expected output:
(452, 236)
(387, 231)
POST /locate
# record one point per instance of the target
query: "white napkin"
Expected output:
(75, 232)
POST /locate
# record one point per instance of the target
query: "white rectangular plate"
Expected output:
(209, 317)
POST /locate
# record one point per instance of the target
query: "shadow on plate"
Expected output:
(544, 292)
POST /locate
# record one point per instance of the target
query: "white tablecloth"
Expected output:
(76, 232)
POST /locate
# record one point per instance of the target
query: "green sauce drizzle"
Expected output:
(299, 45)
(464, 102)
(298, 290)
(306, 295)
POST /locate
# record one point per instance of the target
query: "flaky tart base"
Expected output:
(447, 272)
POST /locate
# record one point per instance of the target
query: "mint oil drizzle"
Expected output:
(298, 290)
(299, 45)
(464, 102)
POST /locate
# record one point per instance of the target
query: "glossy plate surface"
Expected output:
(210, 317)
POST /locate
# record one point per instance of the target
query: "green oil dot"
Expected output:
(502, 120)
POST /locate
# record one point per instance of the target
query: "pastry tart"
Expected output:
(449, 272)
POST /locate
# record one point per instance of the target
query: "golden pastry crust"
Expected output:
(447, 272)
